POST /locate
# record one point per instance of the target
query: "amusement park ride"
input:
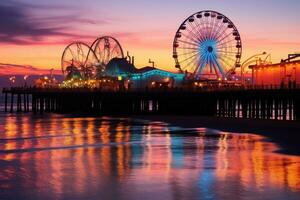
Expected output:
(82, 61)
(207, 45)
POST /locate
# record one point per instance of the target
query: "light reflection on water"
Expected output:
(60, 157)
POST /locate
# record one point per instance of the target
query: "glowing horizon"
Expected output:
(36, 34)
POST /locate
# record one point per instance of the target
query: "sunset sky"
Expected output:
(34, 33)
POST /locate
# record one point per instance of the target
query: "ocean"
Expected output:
(55, 156)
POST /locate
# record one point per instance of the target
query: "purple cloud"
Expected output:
(19, 26)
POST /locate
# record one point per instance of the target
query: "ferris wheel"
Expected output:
(78, 61)
(105, 49)
(207, 45)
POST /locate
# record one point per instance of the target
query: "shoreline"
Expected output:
(286, 134)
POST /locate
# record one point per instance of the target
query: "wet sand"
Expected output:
(285, 133)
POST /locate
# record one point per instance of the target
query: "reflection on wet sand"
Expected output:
(60, 157)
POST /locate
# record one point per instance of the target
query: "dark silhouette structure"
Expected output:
(256, 103)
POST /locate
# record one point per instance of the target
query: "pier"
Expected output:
(253, 103)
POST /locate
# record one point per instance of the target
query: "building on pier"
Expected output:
(146, 77)
(285, 73)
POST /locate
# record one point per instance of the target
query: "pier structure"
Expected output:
(258, 103)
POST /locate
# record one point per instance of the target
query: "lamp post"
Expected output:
(25, 78)
(245, 62)
(12, 79)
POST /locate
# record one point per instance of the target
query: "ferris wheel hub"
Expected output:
(210, 49)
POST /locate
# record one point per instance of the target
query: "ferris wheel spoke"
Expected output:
(190, 43)
(73, 55)
(201, 67)
(113, 49)
(216, 27)
(218, 31)
(190, 38)
(67, 63)
(213, 24)
(83, 57)
(218, 65)
(203, 59)
(226, 47)
(102, 54)
(106, 53)
(193, 31)
(204, 28)
(221, 31)
(194, 35)
(78, 52)
(224, 43)
(215, 68)
(198, 29)
(228, 66)
(229, 57)
(226, 52)
(187, 53)
(226, 62)
(204, 22)
(191, 62)
(187, 44)
(185, 48)
(223, 38)
(208, 27)
(195, 54)
(201, 37)
(197, 67)
(108, 56)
